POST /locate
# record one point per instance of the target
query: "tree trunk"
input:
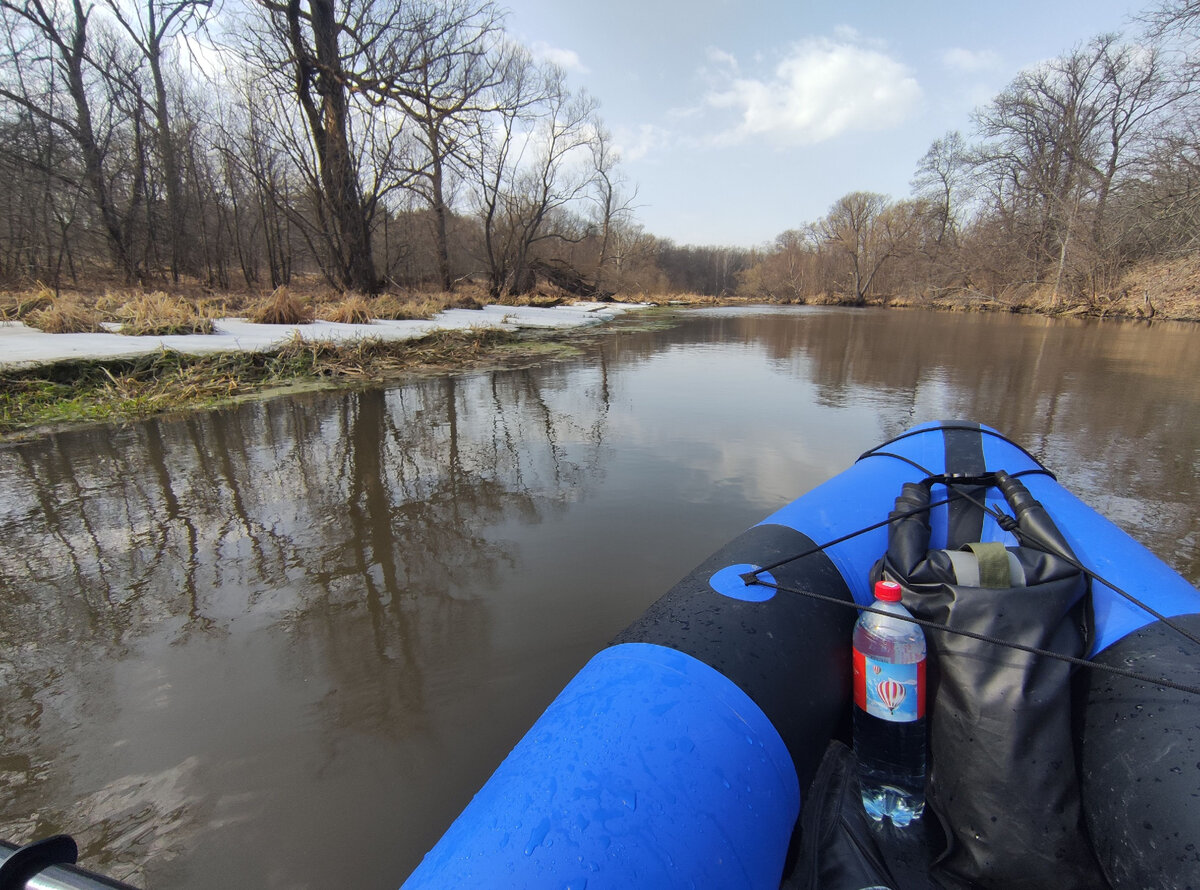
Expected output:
(322, 76)
(89, 150)
(439, 220)
(170, 161)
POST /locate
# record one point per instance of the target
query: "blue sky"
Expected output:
(737, 121)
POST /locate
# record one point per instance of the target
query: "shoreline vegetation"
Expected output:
(45, 398)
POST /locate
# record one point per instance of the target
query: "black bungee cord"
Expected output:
(1008, 523)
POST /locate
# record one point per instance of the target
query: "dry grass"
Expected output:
(63, 314)
(281, 307)
(160, 314)
(18, 305)
(1163, 289)
(412, 307)
(466, 301)
(377, 360)
(545, 298)
(192, 309)
(354, 309)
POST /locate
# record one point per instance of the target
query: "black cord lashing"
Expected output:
(1009, 524)
(984, 638)
(1027, 538)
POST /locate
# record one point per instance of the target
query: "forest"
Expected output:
(415, 147)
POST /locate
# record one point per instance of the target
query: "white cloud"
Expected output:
(850, 35)
(721, 59)
(636, 143)
(566, 59)
(822, 89)
(971, 61)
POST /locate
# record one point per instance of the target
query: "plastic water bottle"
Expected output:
(889, 709)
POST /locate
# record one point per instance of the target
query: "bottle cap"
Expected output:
(888, 591)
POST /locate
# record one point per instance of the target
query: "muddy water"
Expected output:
(281, 645)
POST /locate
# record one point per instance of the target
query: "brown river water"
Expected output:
(281, 645)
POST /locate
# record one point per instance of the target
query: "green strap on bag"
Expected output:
(993, 564)
(989, 565)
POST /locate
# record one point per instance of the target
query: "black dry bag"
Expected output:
(1002, 775)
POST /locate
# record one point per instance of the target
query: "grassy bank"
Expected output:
(34, 400)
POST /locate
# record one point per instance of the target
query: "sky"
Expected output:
(737, 121)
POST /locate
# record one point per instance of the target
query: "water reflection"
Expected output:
(282, 645)
(139, 561)
(1113, 408)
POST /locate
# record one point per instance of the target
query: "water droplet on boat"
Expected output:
(537, 836)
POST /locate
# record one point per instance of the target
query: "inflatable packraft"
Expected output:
(707, 746)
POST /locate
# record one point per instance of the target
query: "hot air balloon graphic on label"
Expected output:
(888, 690)
(891, 694)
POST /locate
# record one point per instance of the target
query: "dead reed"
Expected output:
(353, 309)
(64, 315)
(161, 314)
(281, 307)
(408, 307)
(16, 305)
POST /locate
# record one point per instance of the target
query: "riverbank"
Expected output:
(50, 381)
(53, 380)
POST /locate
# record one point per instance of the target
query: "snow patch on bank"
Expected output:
(22, 346)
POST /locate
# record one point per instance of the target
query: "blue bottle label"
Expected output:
(894, 692)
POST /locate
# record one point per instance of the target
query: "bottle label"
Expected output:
(894, 692)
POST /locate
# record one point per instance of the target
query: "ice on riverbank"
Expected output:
(22, 346)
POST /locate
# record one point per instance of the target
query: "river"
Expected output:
(280, 645)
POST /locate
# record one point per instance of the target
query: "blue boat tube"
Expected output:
(680, 755)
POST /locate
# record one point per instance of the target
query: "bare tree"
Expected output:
(363, 72)
(1040, 142)
(443, 88)
(152, 26)
(612, 205)
(787, 272)
(712, 271)
(1173, 17)
(1059, 138)
(868, 230)
(533, 150)
(305, 39)
(940, 179)
(48, 54)
(1137, 89)
(1159, 211)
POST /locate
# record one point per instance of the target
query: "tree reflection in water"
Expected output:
(340, 542)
